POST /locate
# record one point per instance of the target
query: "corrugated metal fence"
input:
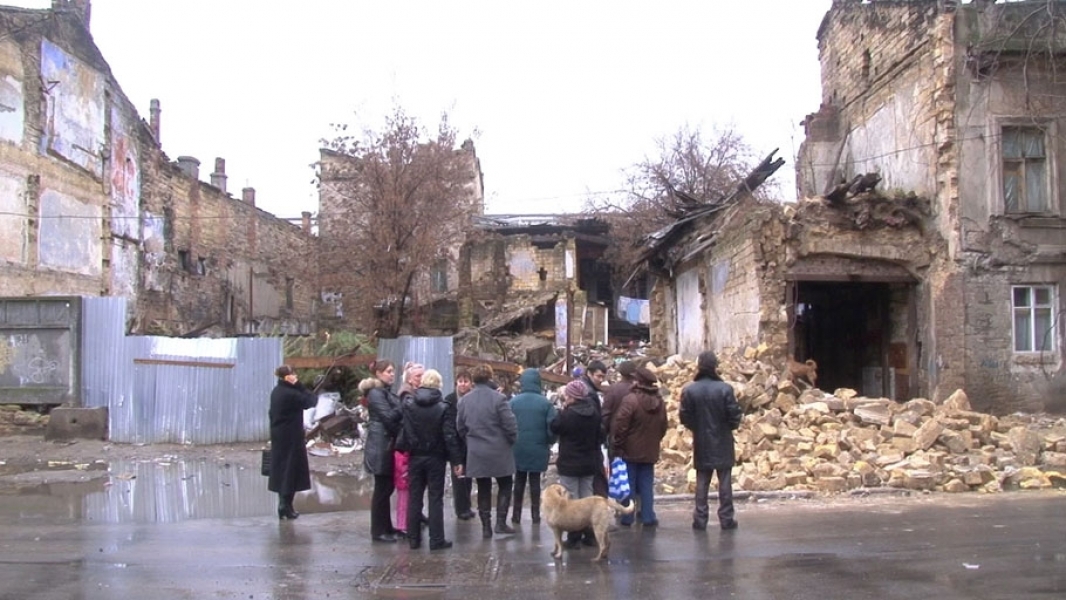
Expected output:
(433, 352)
(187, 391)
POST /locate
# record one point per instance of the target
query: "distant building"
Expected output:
(91, 205)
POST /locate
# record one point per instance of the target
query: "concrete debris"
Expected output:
(831, 443)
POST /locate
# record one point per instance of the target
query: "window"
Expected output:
(1025, 170)
(439, 276)
(1034, 312)
(290, 285)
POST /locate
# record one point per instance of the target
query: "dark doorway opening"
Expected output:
(858, 332)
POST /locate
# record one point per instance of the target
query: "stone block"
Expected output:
(77, 423)
(926, 435)
(1025, 444)
(956, 486)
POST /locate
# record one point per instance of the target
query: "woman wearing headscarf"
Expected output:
(383, 423)
(289, 472)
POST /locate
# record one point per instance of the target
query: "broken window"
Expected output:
(1025, 179)
(1034, 312)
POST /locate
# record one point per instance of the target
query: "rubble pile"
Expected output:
(812, 440)
(13, 418)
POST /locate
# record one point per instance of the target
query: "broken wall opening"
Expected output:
(859, 332)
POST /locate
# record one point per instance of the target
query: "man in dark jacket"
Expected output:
(709, 408)
(428, 436)
(593, 377)
(614, 393)
(461, 486)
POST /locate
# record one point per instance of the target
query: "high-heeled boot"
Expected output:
(285, 509)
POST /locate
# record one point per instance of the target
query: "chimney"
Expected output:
(81, 9)
(248, 195)
(218, 178)
(306, 221)
(153, 119)
(190, 166)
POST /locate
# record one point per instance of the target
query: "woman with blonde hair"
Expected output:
(428, 435)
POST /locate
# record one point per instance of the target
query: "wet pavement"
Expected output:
(198, 530)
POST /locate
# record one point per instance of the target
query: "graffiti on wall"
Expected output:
(32, 359)
(124, 176)
(69, 234)
(74, 120)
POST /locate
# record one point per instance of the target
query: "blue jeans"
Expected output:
(642, 484)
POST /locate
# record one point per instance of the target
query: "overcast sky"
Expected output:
(561, 95)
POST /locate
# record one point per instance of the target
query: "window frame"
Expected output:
(997, 163)
(1035, 335)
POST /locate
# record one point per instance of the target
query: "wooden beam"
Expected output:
(324, 362)
(183, 363)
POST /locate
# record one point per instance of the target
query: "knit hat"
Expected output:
(576, 389)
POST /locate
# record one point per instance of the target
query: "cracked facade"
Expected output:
(952, 277)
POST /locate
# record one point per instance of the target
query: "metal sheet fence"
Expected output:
(433, 352)
(186, 391)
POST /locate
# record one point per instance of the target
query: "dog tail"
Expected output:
(618, 508)
(810, 363)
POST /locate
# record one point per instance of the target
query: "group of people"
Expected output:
(414, 435)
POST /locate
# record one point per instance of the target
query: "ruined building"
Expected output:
(91, 205)
(950, 276)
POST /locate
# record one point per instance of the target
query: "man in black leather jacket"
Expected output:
(709, 408)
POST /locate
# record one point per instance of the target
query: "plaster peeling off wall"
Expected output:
(12, 114)
(70, 234)
(896, 144)
(125, 178)
(74, 95)
(521, 263)
(123, 268)
(12, 223)
(153, 229)
(689, 314)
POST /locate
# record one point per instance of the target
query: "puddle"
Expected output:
(153, 492)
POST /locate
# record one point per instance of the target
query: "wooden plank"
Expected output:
(324, 362)
(497, 365)
(183, 363)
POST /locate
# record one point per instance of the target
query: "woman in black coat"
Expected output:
(289, 472)
(383, 423)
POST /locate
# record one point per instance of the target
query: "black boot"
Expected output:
(285, 510)
(486, 523)
(503, 503)
(519, 491)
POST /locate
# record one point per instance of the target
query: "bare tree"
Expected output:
(393, 205)
(689, 168)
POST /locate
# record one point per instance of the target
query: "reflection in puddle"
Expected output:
(152, 492)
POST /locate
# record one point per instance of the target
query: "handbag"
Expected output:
(264, 468)
(618, 482)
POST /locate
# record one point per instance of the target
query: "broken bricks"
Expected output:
(811, 440)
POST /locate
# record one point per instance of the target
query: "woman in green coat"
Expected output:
(534, 413)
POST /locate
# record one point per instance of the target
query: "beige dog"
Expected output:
(564, 514)
(806, 372)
